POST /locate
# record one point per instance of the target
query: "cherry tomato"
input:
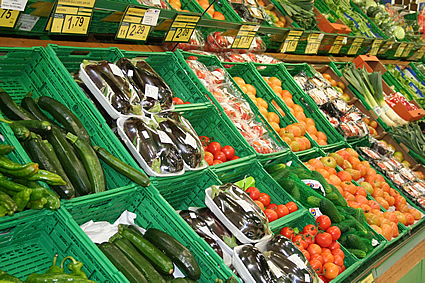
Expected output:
(187, 102)
(209, 160)
(260, 205)
(214, 146)
(282, 210)
(335, 232)
(218, 155)
(192, 58)
(327, 257)
(310, 229)
(292, 206)
(338, 252)
(235, 157)
(318, 257)
(209, 153)
(338, 260)
(299, 245)
(316, 265)
(324, 239)
(271, 214)
(217, 161)
(253, 192)
(228, 151)
(287, 232)
(306, 254)
(334, 245)
(323, 278)
(201, 74)
(177, 100)
(309, 238)
(323, 222)
(272, 206)
(205, 140)
(314, 249)
(300, 238)
(331, 270)
(326, 250)
(265, 199)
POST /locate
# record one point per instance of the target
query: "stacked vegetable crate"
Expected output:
(152, 211)
(220, 6)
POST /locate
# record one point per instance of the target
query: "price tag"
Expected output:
(313, 43)
(72, 16)
(355, 46)
(375, 46)
(407, 50)
(400, 49)
(336, 46)
(421, 53)
(131, 26)
(182, 28)
(385, 47)
(291, 41)
(13, 4)
(8, 18)
(368, 279)
(27, 22)
(151, 17)
(244, 37)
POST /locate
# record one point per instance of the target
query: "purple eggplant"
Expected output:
(291, 271)
(256, 264)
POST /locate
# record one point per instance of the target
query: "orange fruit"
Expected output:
(262, 102)
(302, 128)
(273, 117)
(277, 89)
(321, 142)
(275, 126)
(251, 89)
(298, 108)
(300, 116)
(219, 16)
(239, 81)
(286, 93)
(294, 129)
(263, 111)
(275, 81)
(288, 101)
(311, 129)
(335, 180)
(307, 142)
(327, 76)
(332, 82)
(344, 176)
(321, 136)
(310, 121)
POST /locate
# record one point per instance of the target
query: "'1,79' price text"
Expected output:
(78, 21)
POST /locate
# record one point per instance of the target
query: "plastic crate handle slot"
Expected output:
(78, 53)
(4, 53)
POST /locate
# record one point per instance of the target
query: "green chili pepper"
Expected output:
(3, 211)
(37, 204)
(55, 268)
(4, 277)
(22, 198)
(48, 177)
(8, 203)
(56, 278)
(75, 267)
(38, 191)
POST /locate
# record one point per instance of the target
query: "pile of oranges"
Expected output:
(177, 5)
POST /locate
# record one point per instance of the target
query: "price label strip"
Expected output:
(8, 18)
(407, 50)
(385, 47)
(420, 53)
(72, 16)
(400, 49)
(313, 43)
(182, 28)
(337, 45)
(375, 46)
(131, 26)
(245, 36)
(368, 279)
(355, 46)
(291, 41)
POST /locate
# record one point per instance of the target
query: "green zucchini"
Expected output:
(161, 262)
(12, 109)
(91, 163)
(37, 126)
(138, 260)
(73, 167)
(29, 104)
(21, 132)
(64, 116)
(122, 263)
(6, 149)
(358, 253)
(128, 171)
(354, 242)
(328, 208)
(178, 253)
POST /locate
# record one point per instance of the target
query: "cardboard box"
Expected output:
(326, 26)
(371, 63)
(412, 115)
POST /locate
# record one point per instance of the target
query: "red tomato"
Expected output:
(318, 257)
(326, 250)
(316, 265)
(177, 100)
(209, 160)
(260, 205)
(214, 146)
(273, 206)
(292, 206)
(209, 153)
(201, 74)
(306, 254)
(187, 102)
(300, 238)
(335, 232)
(338, 260)
(287, 232)
(216, 161)
(327, 257)
(228, 151)
(282, 210)
(314, 249)
(323, 222)
(265, 199)
(218, 155)
(205, 140)
(331, 270)
(338, 252)
(334, 245)
(271, 215)
(324, 239)
(310, 229)
(253, 192)
(309, 238)
(235, 157)
(299, 245)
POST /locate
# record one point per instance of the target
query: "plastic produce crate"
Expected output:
(213, 61)
(152, 211)
(29, 244)
(375, 29)
(220, 6)
(32, 69)
(265, 183)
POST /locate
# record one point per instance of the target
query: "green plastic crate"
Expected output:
(213, 61)
(392, 81)
(414, 67)
(219, 6)
(29, 244)
(290, 158)
(375, 29)
(265, 183)
(152, 211)
(207, 122)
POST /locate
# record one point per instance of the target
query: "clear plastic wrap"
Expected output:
(196, 42)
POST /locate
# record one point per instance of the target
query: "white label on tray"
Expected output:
(151, 91)
(130, 73)
(386, 108)
(315, 211)
(27, 22)
(192, 215)
(13, 4)
(314, 185)
(297, 260)
(145, 134)
(256, 12)
(289, 163)
(164, 138)
(375, 242)
(306, 278)
(155, 2)
(190, 140)
(276, 270)
(116, 70)
(321, 36)
(151, 16)
(378, 110)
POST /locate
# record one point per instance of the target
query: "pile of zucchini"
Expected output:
(62, 145)
(149, 257)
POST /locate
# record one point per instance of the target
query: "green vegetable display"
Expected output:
(411, 135)
(301, 12)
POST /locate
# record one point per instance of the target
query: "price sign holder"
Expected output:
(337, 45)
(407, 50)
(375, 46)
(291, 41)
(420, 53)
(245, 36)
(8, 18)
(131, 27)
(385, 47)
(368, 279)
(182, 28)
(313, 43)
(72, 17)
(400, 49)
(355, 46)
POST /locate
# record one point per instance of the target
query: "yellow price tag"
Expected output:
(313, 43)
(375, 46)
(337, 45)
(182, 28)
(385, 47)
(420, 53)
(8, 18)
(291, 41)
(75, 24)
(72, 17)
(407, 50)
(368, 279)
(355, 46)
(244, 37)
(400, 49)
(131, 26)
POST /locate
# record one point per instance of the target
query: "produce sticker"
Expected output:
(72, 16)
(182, 28)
